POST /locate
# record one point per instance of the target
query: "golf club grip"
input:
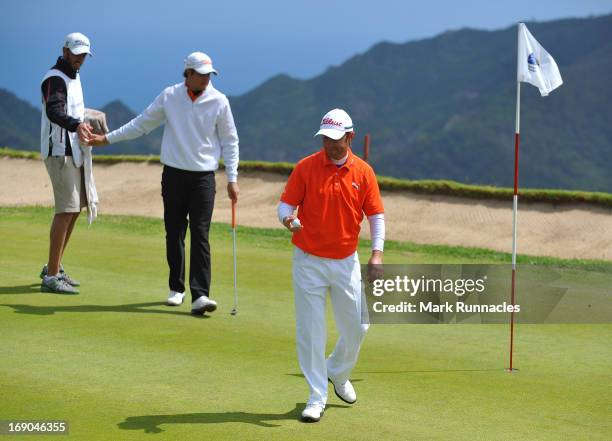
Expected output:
(233, 214)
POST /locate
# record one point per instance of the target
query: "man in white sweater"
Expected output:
(198, 129)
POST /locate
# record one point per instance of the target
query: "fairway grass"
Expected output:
(118, 364)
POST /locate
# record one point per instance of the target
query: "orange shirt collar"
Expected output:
(192, 95)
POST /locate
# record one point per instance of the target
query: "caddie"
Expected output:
(331, 190)
(63, 128)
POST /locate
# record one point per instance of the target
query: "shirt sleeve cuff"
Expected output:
(72, 127)
(232, 176)
(378, 244)
(284, 210)
(111, 137)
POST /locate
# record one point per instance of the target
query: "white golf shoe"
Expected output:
(175, 298)
(203, 304)
(312, 413)
(345, 391)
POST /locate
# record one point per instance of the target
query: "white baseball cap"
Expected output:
(77, 43)
(200, 62)
(335, 124)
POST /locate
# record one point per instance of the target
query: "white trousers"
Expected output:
(312, 277)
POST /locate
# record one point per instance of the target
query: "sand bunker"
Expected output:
(567, 231)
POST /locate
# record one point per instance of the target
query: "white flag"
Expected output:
(535, 65)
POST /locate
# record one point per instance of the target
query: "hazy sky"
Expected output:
(139, 46)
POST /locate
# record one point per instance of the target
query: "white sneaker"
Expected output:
(203, 304)
(312, 413)
(345, 391)
(175, 298)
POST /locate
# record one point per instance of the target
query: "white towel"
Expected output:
(90, 185)
(97, 120)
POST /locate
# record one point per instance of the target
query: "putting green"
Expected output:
(119, 365)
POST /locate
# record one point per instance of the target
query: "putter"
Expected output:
(235, 310)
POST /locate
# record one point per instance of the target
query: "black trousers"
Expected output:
(188, 194)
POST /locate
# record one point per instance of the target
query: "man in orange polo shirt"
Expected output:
(332, 190)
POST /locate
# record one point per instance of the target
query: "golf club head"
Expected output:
(234, 311)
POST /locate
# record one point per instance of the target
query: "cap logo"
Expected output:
(331, 122)
(79, 43)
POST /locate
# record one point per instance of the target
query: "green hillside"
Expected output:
(438, 108)
(443, 108)
(19, 122)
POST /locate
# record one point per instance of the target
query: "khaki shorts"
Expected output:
(68, 184)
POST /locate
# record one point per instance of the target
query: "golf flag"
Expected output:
(535, 65)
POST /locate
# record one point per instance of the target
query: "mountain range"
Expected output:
(438, 108)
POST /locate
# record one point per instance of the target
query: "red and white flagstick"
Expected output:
(366, 148)
(517, 139)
